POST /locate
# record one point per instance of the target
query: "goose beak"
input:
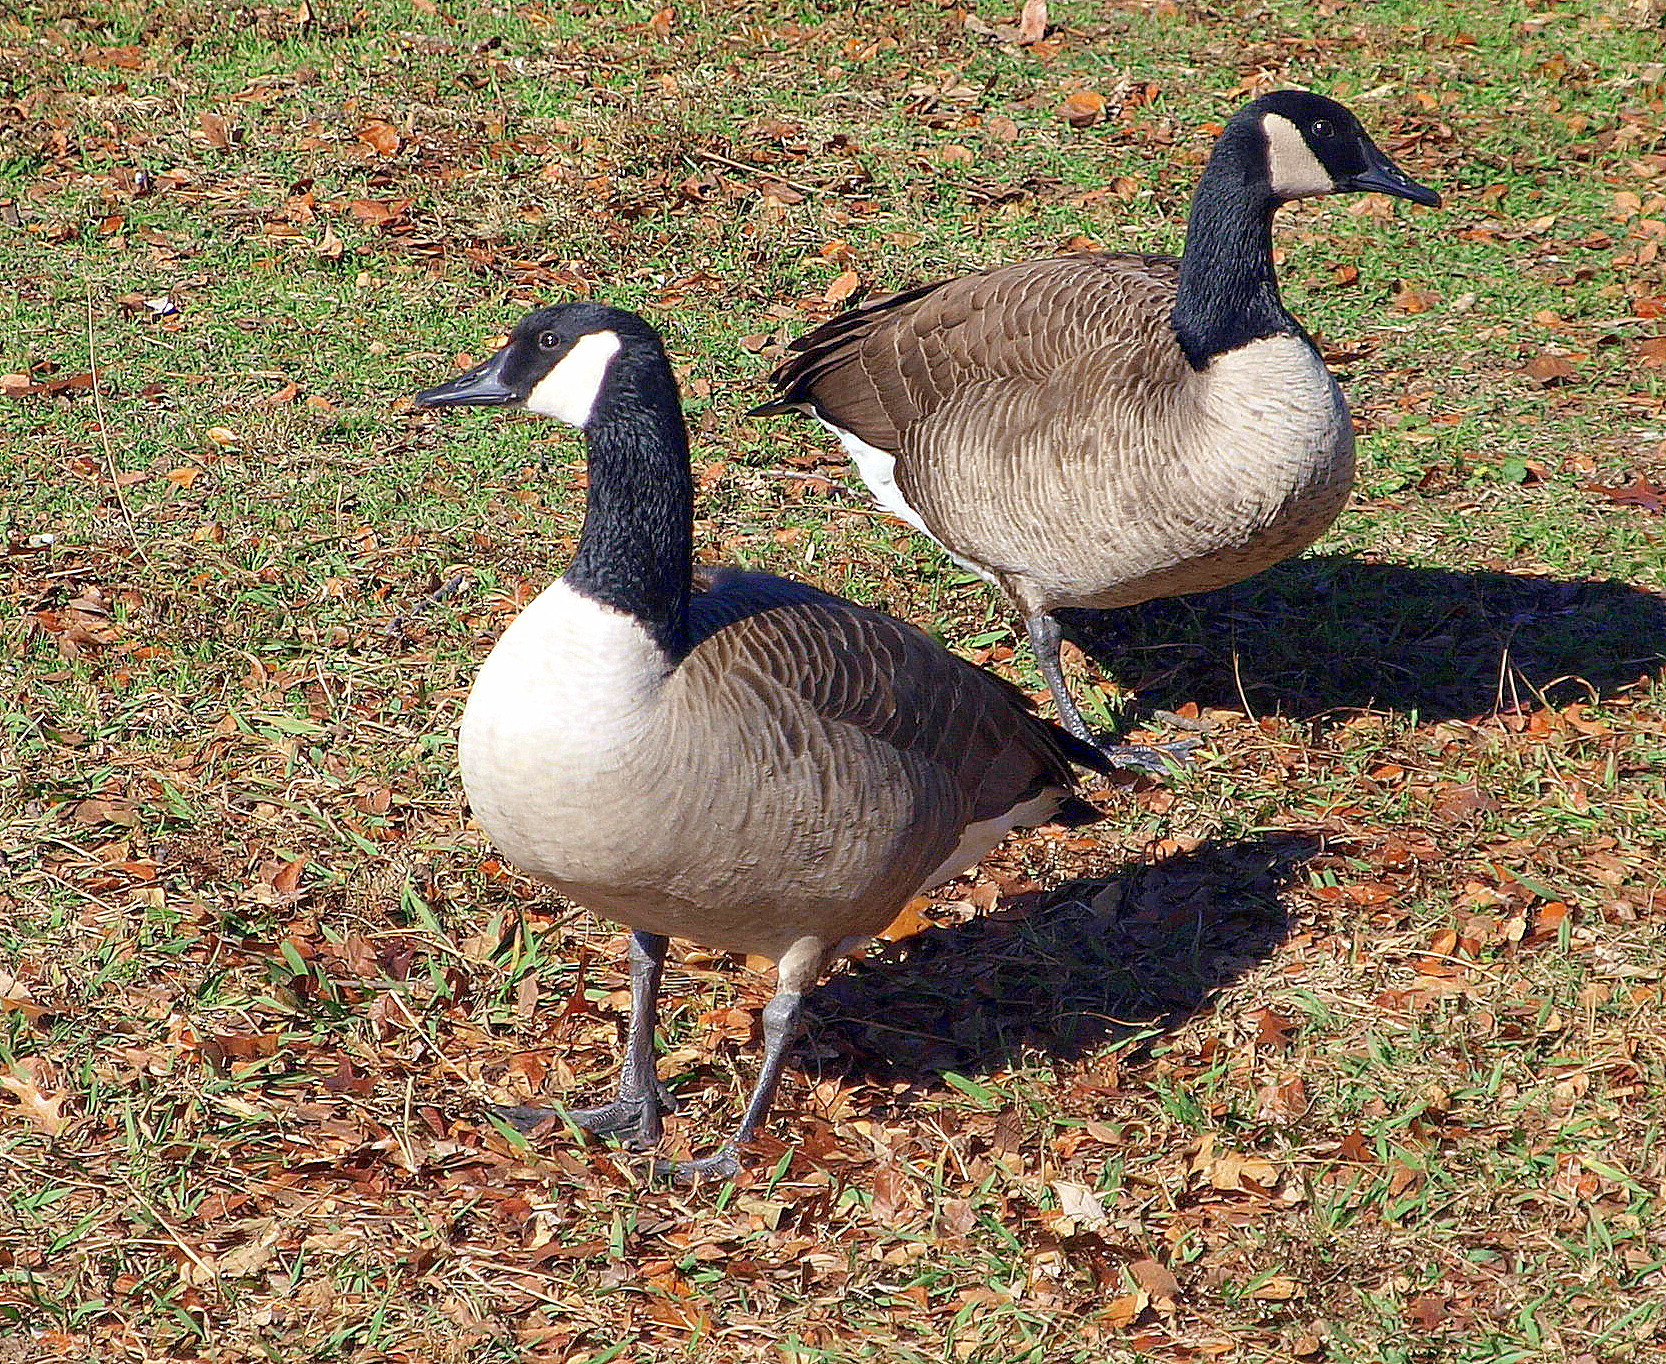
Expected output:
(1383, 176)
(482, 386)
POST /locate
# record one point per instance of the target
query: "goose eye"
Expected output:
(1321, 128)
(548, 341)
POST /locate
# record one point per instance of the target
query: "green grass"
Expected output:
(1355, 1030)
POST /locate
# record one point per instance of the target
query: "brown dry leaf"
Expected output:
(15, 385)
(1157, 1279)
(1651, 352)
(1273, 1029)
(1640, 492)
(661, 23)
(379, 136)
(1411, 299)
(1122, 1311)
(1232, 1173)
(1548, 369)
(184, 476)
(1277, 1288)
(909, 921)
(17, 997)
(216, 130)
(45, 1111)
(287, 877)
(1469, 799)
(1032, 21)
(1082, 108)
(330, 246)
(378, 211)
(842, 288)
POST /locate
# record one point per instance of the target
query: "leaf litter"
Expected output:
(1351, 1039)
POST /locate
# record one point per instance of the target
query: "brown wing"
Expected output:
(883, 367)
(1032, 410)
(811, 765)
(829, 661)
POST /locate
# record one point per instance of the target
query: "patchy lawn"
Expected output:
(1347, 1046)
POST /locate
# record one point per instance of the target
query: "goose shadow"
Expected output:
(1058, 972)
(1333, 632)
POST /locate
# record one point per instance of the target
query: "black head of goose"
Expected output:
(1098, 429)
(729, 757)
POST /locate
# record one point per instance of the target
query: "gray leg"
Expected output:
(641, 1098)
(780, 1019)
(1045, 636)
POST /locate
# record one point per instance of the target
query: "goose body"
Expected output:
(726, 756)
(1098, 429)
(600, 766)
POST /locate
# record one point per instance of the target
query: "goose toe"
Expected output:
(637, 1118)
(1154, 758)
(723, 1163)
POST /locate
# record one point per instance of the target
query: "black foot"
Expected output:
(1157, 758)
(721, 1164)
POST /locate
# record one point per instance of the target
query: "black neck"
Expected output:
(1228, 294)
(636, 550)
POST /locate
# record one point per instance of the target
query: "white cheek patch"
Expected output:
(568, 392)
(1292, 167)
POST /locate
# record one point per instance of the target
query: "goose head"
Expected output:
(1316, 146)
(568, 362)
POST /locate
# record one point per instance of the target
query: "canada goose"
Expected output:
(741, 760)
(1098, 429)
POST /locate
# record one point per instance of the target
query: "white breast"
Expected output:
(1281, 402)
(878, 469)
(554, 725)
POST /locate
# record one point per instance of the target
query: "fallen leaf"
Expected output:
(1081, 1205)
(1277, 1288)
(1651, 352)
(379, 136)
(1548, 369)
(1157, 1279)
(1273, 1029)
(16, 996)
(216, 130)
(287, 877)
(45, 1111)
(378, 211)
(842, 288)
(1032, 22)
(908, 922)
(1082, 108)
(1640, 492)
(1232, 1173)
